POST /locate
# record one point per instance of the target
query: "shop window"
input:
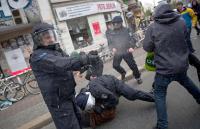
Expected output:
(108, 20)
(108, 17)
(24, 43)
(80, 32)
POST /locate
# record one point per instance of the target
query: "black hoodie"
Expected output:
(166, 37)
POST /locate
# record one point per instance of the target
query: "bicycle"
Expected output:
(104, 53)
(29, 85)
(139, 37)
(10, 90)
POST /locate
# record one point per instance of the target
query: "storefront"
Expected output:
(16, 23)
(83, 24)
(15, 48)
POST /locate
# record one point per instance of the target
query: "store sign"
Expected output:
(79, 10)
(16, 61)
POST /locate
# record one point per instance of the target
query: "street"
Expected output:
(184, 112)
(50, 37)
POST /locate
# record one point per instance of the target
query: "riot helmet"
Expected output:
(117, 22)
(44, 34)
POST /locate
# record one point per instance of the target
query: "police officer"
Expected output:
(53, 71)
(122, 43)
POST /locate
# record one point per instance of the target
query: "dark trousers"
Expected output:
(194, 61)
(131, 93)
(197, 29)
(161, 85)
(128, 57)
(66, 116)
(188, 39)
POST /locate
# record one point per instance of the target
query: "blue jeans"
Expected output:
(161, 85)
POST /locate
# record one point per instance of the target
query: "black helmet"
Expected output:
(117, 19)
(85, 100)
(41, 31)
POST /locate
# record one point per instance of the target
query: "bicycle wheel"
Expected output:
(14, 92)
(32, 87)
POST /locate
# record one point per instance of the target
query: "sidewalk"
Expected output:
(32, 107)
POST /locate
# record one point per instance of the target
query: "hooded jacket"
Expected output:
(166, 37)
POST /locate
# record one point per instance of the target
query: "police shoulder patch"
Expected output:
(42, 55)
(38, 56)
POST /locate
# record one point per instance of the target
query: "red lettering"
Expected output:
(107, 6)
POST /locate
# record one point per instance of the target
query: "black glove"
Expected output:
(93, 59)
(84, 59)
(88, 59)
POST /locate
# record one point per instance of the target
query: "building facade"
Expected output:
(16, 18)
(82, 23)
(81, 26)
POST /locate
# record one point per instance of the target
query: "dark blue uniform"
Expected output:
(53, 71)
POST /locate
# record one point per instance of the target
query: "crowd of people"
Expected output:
(168, 38)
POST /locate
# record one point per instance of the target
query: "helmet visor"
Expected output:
(117, 25)
(48, 37)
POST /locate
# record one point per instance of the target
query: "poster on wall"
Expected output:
(16, 61)
(96, 27)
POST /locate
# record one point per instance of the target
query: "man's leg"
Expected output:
(188, 39)
(133, 94)
(153, 87)
(132, 64)
(116, 65)
(65, 117)
(197, 29)
(188, 84)
(194, 61)
(161, 83)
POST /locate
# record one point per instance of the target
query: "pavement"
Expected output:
(183, 111)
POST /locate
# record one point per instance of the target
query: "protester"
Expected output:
(196, 8)
(122, 43)
(166, 37)
(191, 21)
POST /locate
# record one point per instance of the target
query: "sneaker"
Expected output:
(139, 81)
(123, 76)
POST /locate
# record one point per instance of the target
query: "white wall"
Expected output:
(45, 11)
(66, 41)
